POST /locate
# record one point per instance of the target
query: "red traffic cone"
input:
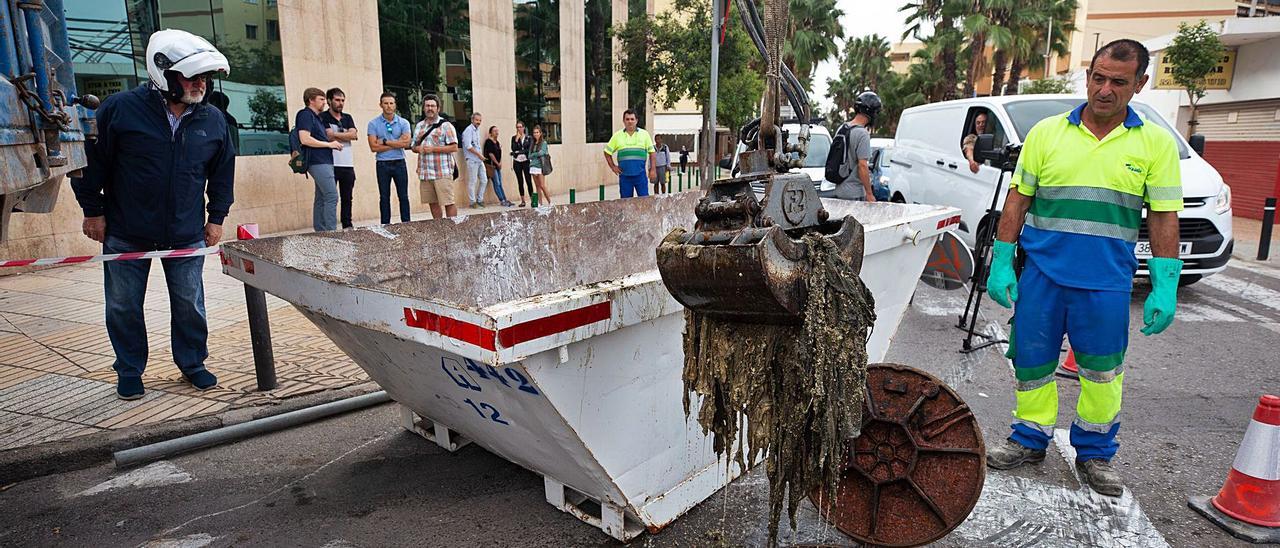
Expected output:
(1069, 369)
(1248, 506)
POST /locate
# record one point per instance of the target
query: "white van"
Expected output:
(929, 167)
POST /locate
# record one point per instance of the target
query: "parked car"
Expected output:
(881, 152)
(930, 167)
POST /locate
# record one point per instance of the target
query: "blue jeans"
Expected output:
(126, 286)
(497, 187)
(324, 209)
(633, 185)
(389, 170)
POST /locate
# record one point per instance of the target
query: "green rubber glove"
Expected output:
(1002, 283)
(1157, 312)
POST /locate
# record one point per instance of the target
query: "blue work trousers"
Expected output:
(1097, 324)
(633, 185)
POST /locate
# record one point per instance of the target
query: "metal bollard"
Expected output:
(573, 195)
(601, 193)
(533, 199)
(264, 360)
(1268, 219)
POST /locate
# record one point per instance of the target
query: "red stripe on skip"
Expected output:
(557, 323)
(449, 327)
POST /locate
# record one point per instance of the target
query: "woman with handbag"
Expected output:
(540, 163)
(493, 165)
(521, 143)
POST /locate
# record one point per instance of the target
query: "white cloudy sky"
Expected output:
(861, 18)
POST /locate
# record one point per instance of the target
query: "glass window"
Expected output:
(636, 94)
(599, 75)
(537, 25)
(108, 45)
(426, 49)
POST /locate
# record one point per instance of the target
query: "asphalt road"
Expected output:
(359, 480)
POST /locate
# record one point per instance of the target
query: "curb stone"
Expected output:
(90, 450)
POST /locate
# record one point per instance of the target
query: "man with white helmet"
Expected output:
(161, 149)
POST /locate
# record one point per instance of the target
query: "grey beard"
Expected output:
(192, 98)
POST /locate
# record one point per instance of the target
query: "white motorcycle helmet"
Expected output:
(171, 52)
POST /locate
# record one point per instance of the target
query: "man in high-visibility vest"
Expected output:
(1075, 206)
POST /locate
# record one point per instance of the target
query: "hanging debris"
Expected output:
(798, 389)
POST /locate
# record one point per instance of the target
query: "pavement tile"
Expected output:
(18, 430)
(56, 379)
(10, 375)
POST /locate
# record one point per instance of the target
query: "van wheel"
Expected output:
(1188, 279)
(897, 198)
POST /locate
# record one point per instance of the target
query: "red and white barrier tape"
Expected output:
(166, 254)
(243, 232)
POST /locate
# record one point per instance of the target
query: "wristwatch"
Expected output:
(384, 141)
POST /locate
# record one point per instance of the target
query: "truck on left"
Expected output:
(44, 122)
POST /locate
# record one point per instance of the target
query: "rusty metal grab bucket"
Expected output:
(744, 259)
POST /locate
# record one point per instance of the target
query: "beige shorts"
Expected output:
(436, 191)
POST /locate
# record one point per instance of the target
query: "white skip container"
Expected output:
(547, 336)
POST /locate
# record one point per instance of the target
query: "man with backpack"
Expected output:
(851, 150)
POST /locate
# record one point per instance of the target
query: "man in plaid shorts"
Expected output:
(435, 140)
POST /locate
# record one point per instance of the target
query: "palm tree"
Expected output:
(866, 58)
(1030, 37)
(1017, 19)
(811, 36)
(943, 14)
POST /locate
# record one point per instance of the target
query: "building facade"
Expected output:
(1241, 119)
(507, 59)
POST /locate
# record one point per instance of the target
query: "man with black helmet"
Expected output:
(161, 149)
(856, 184)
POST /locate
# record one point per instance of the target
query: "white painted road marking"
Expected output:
(152, 475)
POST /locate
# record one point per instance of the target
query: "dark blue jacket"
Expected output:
(149, 181)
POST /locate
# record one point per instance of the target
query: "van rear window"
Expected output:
(1025, 115)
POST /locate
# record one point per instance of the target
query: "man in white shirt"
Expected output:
(340, 127)
(473, 152)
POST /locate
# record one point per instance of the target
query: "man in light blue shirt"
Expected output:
(473, 150)
(389, 135)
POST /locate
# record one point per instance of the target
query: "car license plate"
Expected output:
(1143, 249)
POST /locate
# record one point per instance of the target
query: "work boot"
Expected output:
(1011, 454)
(1101, 477)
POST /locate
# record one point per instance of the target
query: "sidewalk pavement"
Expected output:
(1247, 233)
(57, 385)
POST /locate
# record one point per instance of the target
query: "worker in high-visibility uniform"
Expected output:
(1075, 206)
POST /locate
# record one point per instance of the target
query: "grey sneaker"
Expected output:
(1011, 454)
(1101, 477)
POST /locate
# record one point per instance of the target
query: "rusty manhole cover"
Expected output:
(918, 468)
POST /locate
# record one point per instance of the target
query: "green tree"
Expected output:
(669, 56)
(946, 38)
(1048, 85)
(864, 64)
(1053, 16)
(268, 111)
(811, 36)
(1193, 55)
